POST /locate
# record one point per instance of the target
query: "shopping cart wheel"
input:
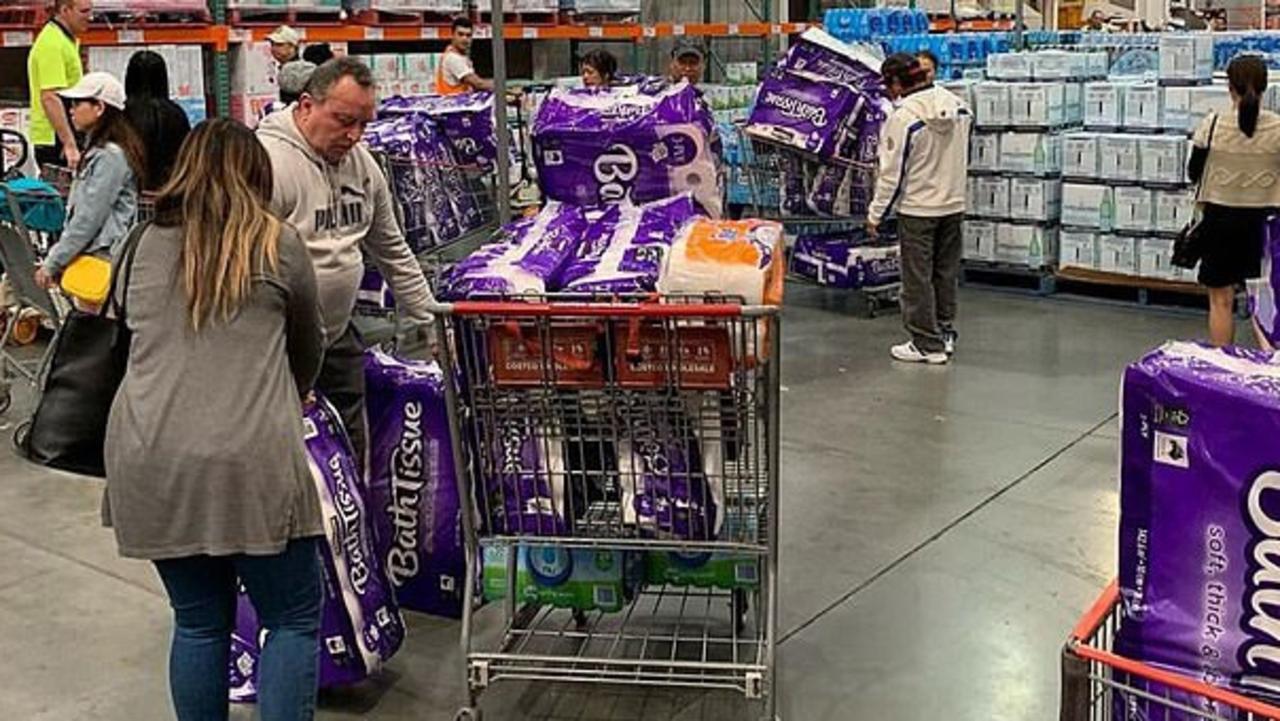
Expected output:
(469, 713)
(20, 437)
(740, 607)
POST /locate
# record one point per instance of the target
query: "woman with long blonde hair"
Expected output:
(207, 473)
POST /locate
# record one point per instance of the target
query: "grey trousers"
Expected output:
(342, 382)
(930, 256)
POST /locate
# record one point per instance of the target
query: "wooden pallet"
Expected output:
(544, 18)
(23, 17)
(267, 16)
(1040, 281)
(426, 18)
(142, 20)
(1144, 291)
(597, 18)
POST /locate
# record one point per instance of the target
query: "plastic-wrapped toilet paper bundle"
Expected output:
(666, 489)
(738, 258)
(845, 260)
(466, 119)
(1200, 519)
(528, 259)
(593, 148)
(624, 250)
(418, 162)
(1263, 291)
(821, 54)
(524, 479)
(412, 489)
(360, 627)
(806, 112)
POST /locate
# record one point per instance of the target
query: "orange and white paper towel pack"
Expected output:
(740, 258)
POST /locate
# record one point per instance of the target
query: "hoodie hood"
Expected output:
(280, 126)
(939, 108)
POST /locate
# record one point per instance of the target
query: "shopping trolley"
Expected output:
(810, 196)
(637, 430)
(1100, 685)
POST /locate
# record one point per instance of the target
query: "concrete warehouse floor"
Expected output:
(942, 529)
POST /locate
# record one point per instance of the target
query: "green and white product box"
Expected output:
(991, 197)
(1118, 254)
(1033, 246)
(1118, 157)
(1143, 109)
(1037, 104)
(1173, 210)
(581, 579)
(990, 104)
(705, 570)
(1088, 206)
(1078, 249)
(1177, 108)
(1035, 199)
(1135, 210)
(1155, 260)
(984, 152)
(1080, 155)
(1104, 104)
(1030, 153)
(1163, 159)
(980, 240)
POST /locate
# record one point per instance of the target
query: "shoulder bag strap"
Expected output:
(1208, 149)
(124, 266)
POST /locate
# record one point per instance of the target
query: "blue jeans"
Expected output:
(286, 593)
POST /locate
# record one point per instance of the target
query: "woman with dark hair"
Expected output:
(599, 69)
(319, 53)
(1231, 152)
(929, 62)
(103, 200)
(154, 115)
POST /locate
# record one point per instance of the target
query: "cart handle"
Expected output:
(1089, 624)
(613, 310)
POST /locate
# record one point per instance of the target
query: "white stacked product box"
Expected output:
(972, 195)
(1088, 206)
(1080, 156)
(984, 152)
(1075, 103)
(1163, 159)
(991, 197)
(1033, 246)
(1118, 254)
(1011, 67)
(1173, 210)
(1038, 105)
(962, 89)
(1078, 249)
(1135, 209)
(1142, 107)
(1186, 58)
(991, 105)
(1030, 153)
(1177, 109)
(1205, 101)
(1118, 158)
(980, 240)
(1155, 260)
(1104, 104)
(1035, 199)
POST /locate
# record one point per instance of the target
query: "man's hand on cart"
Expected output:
(44, 280)
(873, 229)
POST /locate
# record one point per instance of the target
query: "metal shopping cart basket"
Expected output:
(1100, 685)
(621, 434)
(821, 203)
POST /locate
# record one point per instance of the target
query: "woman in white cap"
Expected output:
(104, 192)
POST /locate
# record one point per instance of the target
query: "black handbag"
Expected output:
(90, 352)
(1188, 247)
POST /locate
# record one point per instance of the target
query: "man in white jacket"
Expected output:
(924, 160)
(330, 188)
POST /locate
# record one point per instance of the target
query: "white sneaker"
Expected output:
(909, 353)
(949, 339)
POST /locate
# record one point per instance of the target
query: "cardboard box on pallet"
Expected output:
(1186, 57)
(1162, 159)
(1078, 249)
(992, 199)
(1032, 246)
(1143, 109)
(1035, 199)
(1118, 254)
(991, 104)
(1086, 205)
(980, 240)
(1030, 153)
(1037, 105)
(1173, 210)
(1135, 209)
(1118, 157)
(1104, 104)
(1080, 158)
(984, 151)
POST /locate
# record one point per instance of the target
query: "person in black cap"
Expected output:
(686, 63)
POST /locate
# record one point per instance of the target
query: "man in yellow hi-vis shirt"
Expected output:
(53, 64)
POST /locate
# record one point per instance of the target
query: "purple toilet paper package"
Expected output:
(528, 258)
(1264, 290)
(623, 251)
(466, 119)
(1200, 517)
(361, 627)
(412, 488)
(418, 160)
(593, 148)
(818, 53)
(524, 473)
(806, 112)
(845, 260)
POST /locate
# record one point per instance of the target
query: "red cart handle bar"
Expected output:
(610, 310)
(1078, 644)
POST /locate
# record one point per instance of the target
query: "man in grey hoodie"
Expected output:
(330, 188)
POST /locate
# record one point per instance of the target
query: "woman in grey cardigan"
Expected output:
(104, 191)
(207, 472)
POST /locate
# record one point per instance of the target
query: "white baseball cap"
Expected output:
(102, 87)
(285, 35)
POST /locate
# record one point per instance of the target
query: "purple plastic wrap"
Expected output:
(820, 54)
(412, 488)
(1264, 291)
(1200, 518)
(806, 112)
(623, 251)
(465, 119)
(524, 479)
(594, 148)
(845, 260)
(361, 627)
(528, 259)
